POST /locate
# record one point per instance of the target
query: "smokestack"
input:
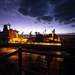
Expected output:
(5, 29)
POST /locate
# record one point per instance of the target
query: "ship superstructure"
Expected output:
(10, 35)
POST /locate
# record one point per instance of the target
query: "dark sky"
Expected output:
(38, 15)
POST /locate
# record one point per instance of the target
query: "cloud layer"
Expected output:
(62, 11)
(34, 8)
(65, 12)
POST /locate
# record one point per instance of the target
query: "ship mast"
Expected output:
(9, 26)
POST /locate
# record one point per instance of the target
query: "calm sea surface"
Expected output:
(58, 35)
(66, 36)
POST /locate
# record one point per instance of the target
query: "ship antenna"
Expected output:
(9, 26)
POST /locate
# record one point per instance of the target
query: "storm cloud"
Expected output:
(62, 11)
(45, 18)
(72, 25)
(65, 12)
(35, 8)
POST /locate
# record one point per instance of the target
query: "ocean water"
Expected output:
(66, 36)
(58, 35)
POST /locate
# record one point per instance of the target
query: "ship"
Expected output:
(48, 38)
(9, 35)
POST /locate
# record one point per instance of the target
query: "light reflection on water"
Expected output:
(36, 60)
(12, 49)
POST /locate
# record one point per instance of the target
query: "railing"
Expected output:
(20, 50)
